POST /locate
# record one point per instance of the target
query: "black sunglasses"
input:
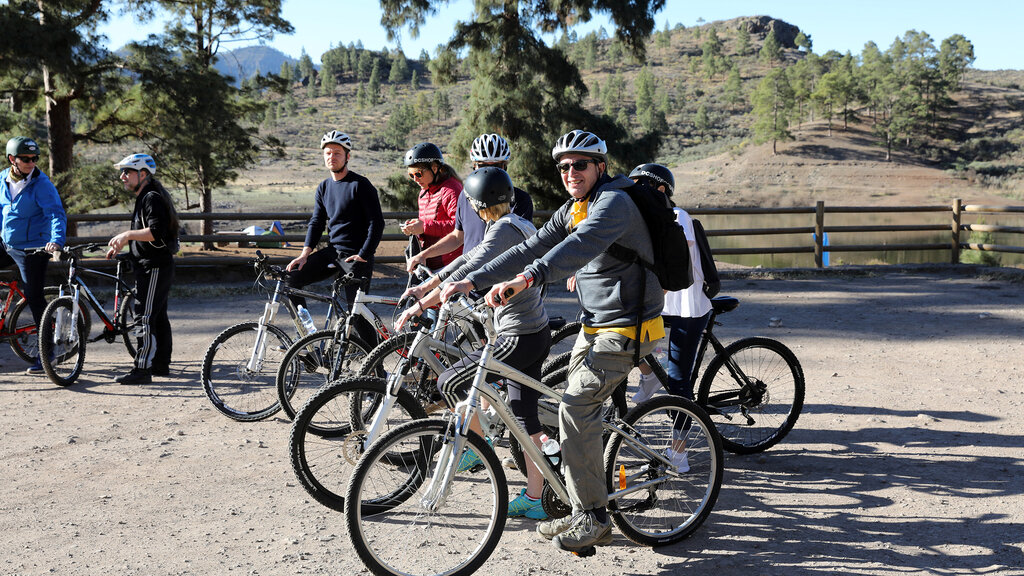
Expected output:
(578, 165)
(28, 158)
(416, 175)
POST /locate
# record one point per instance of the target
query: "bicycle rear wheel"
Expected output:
(672, 503)
(238, 392)
(754, 392)
(24, 334)
(309, 364)
(402, 521)
(324, 443)
(126, 320)
(62, 340)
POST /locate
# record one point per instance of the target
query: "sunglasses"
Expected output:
(28, 159)
(578, 165)
(416, 175)
(127, 171)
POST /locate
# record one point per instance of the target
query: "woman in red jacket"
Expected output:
(440, 188)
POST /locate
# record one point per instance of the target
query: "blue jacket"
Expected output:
(34, 217)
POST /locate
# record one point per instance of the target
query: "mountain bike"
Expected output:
(241, 364)
(16, 323)
(64, 328)
(328, 355)
(454, 520)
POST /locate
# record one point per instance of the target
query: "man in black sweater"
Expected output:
(347, 206)
(153, 242)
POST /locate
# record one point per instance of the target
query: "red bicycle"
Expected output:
(16, 323)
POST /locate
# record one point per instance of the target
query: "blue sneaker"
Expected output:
(470, 459)
(36, 368)
(523, 505)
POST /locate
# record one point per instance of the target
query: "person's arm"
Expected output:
(315, 229)
(443, 246)
(370, 202)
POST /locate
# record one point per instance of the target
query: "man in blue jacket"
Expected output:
(574, 242)
(33, 219)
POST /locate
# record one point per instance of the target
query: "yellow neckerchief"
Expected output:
(653, 329)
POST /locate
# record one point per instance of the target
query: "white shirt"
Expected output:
(691, 302)
(17, 187)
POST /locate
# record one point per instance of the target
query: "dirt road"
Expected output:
(908, 458)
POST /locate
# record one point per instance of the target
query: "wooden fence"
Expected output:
(815, 231)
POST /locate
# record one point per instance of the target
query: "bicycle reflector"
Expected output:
(622, 476)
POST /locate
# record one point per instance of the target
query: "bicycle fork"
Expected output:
(259, 347)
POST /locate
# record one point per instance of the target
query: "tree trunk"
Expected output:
(206, 207)
(59, 136)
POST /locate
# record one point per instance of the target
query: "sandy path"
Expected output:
(908, 458)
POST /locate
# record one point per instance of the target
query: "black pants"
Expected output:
(33, 278)
(318, 267)
(153, 287)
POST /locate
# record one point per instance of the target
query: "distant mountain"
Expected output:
(244, 62)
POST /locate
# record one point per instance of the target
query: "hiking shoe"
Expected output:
(36, 368)
(584, 532)
(160, 371)
(554, 527)
(649, 384)
(523, 505)
(470, 459)
(136, 376)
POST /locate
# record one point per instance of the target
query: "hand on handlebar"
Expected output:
(500, 294)
(413, 263)
(417, 292)
(452, 288)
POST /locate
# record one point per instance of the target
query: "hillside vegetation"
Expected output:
(696, 89)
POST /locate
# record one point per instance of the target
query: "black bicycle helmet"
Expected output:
(487, 186)
(423, 153)
(656, 175)
(21, 146)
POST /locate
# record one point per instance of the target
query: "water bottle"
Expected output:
(550, 448)
(661, 355)
(306, 319)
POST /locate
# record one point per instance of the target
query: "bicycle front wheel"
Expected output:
(62, 339)
(404, 519)
(754, 392)
(24, 335)
(657, 502)
(325, 444)
(239, 390)
(312, 362)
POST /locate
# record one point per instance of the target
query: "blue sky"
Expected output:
(993, 26)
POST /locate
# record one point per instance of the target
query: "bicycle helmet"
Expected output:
(656, 175)
(137, 162)
(336, 137)
(580, 142)
(489, 148)
(487, 186)
(423, 153)
(20, 146)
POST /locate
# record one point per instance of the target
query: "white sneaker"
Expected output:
(679, 460)
(649, 384)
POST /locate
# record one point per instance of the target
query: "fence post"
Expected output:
(819, 234)
(955, 232)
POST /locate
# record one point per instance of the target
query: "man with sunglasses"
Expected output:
(487, 150)
(575, 242)
(33, 218)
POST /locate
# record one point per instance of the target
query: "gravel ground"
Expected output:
(907, 458)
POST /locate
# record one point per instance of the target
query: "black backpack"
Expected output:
(712, 283)
(671, 253)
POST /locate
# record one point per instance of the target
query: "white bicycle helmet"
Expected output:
(580, 142)
(137, 162)
(336, 137)
(489, 148)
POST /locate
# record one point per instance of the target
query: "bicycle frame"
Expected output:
(77, 287)
(8, 305)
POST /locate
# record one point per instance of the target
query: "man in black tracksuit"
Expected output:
(153, 241)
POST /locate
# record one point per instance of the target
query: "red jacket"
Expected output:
(437, 204)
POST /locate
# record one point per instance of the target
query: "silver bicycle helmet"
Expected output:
(580, 142)
(489, 148)
(137, 162)
(336, 137)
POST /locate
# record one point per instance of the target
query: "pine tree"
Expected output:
(771, 50)
(773, 103)
(373, 87)
(742, 41)
(733, 88)
(399, 68)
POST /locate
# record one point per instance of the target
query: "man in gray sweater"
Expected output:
(575, 242)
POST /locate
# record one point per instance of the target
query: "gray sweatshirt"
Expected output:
(608, 288)
(524, 314)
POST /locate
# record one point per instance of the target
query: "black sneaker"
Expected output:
(36, 368)
(136, 376)
(160, 371)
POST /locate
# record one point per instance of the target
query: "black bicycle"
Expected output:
(65, 326)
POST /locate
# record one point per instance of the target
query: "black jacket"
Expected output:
(151, 211)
